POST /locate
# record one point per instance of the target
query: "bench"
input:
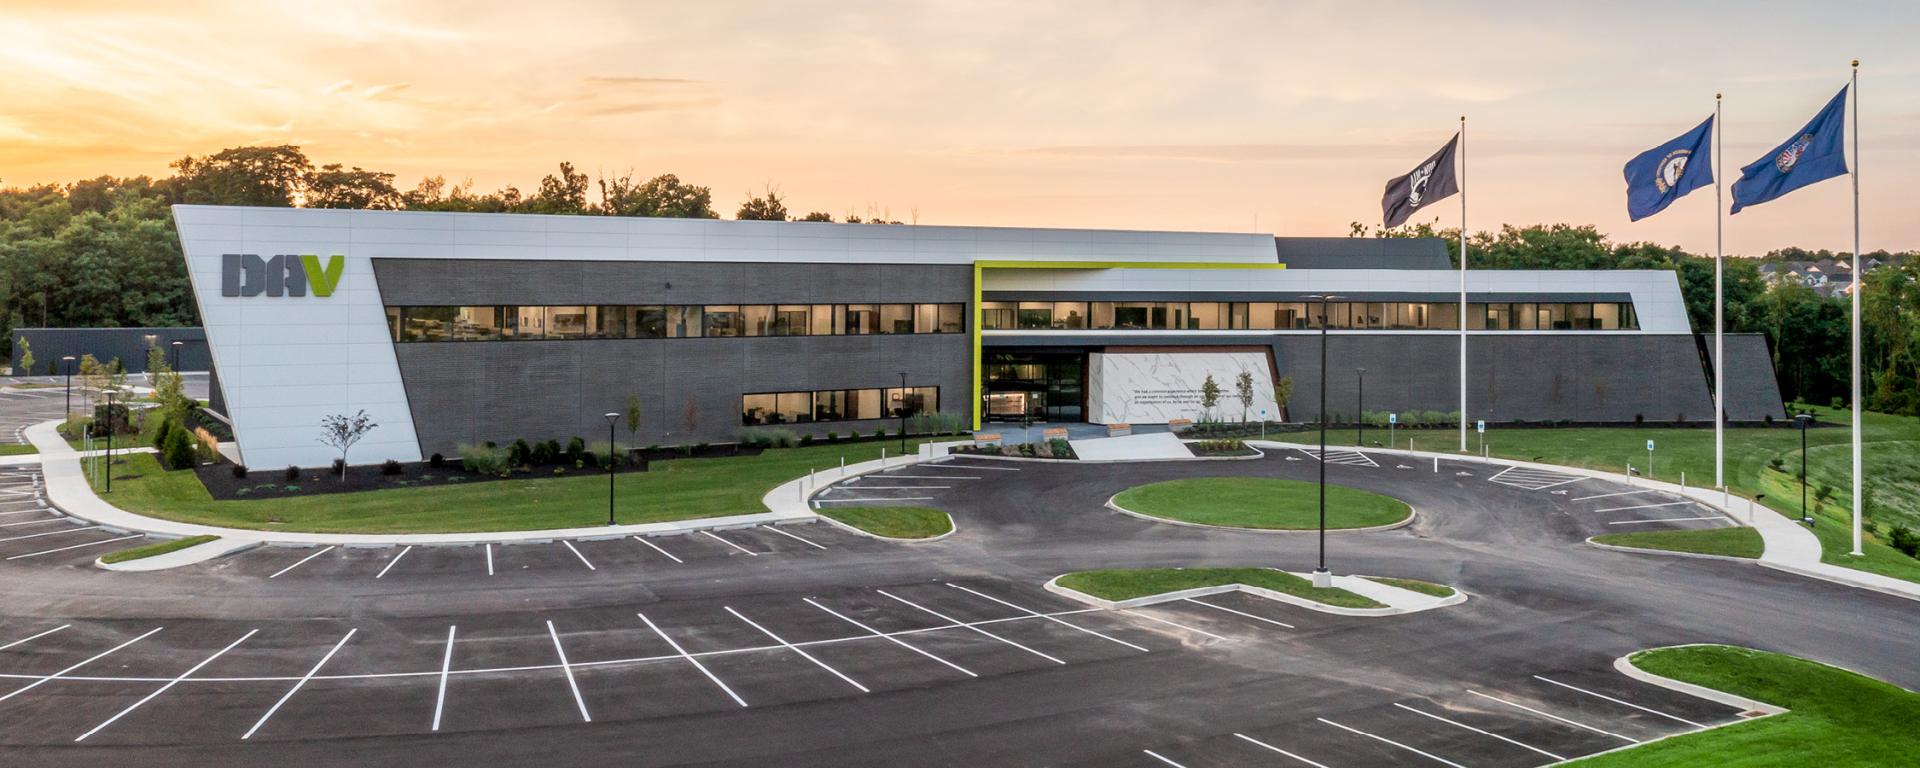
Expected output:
(1055, 433)
(1119, 430)
(1175, 425)
(984, 439)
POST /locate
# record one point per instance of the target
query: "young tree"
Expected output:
(1243, 389)
(168, 389)
(90, 378)
(1209, 395)
(25, 357)
(1282, 392)
(691, 418)
(633, 419)
(341, 432)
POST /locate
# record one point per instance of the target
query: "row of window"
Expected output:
(1282, 315)
(671, 321)
(837, 405)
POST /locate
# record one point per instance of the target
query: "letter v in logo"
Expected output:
(322, 280)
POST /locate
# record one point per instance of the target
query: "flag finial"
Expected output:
(1716, 97)
(1856, 63)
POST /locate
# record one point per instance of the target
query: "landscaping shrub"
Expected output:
(115, 417)
(518, 454)
(338, 466)
(754, 437)
(239, 471)
(436, 461)
(390, 467)
(880, 433)
(806, 440)
(853, 434)
(481, 459)
(1060, 448)
(553, 449)
(542, 453)
(576, 451)
(833, 436)
(179, 451)
(292, 473)
(160, 435)
(1904, 539)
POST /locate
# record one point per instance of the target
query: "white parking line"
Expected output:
(889, 638)
(1054, 619)
(489, 559)
(1609, 495)
(53, 533)
(297, 686)
(711, 535)
(390, 563)
(1273, 748)
(89, 660)
(657, 548)
(1621, 702)
(979, 466)
(29, 639)
(1664, 520)
(1563, 482)
(1551, 716)
(795, 649)
(1174, 624)
(887, 498)
(1646, 506)
(446, 664)
(568, 669)
(691, 660)
(794, 536)
(75, 546)
(170, 683)
(576, 553)
(1522, 745)
(895, 487)
(34, 522)
(1497, 475)
(1385, 740)
(1161, 758)
(945, 617)
(933, 477)
(303, 561)
(1240, 613)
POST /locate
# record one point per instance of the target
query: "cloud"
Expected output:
(377, 91)
(337, 87)
(636, 81)
(641, 107)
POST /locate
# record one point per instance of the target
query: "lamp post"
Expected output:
(903, 413)
(1804, 420)
(109, 488)
(1360, 409)
(176, 355)
(69, 361)
(1323, 578)
(611, 452)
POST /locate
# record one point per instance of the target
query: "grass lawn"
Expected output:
(1837, 717)
(1258, 502)
(18, 450)
(156, 548)
(894, 522)
(1414, 585)
(1129, 583)
(1730, 542)
(1890, 450)
(677, 489)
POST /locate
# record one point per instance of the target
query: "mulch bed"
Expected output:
(273, 483)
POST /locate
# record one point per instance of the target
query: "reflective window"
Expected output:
(683, 322)
(757, 320)
(953, 318)
(862, 319)
(836, 405)
(896, 318)
(724, 320)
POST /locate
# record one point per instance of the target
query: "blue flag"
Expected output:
(1659, 176)
(1815, 153)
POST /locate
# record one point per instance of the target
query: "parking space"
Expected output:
(21, 408)
(1342, 456)
(1531, 479)
(912, 484)
(1524, 720)
(1614, 509)
(32, 532)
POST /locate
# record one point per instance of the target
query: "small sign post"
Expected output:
(1392, 420)
(1263, 424)
(1481, 427)
(1649, 459)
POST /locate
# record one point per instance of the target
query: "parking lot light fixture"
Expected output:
(612, 451)
(176, 355)
(109, 481)
(1360, 409)
(1323, 578)
(1804, 420)
(903, 414)
(69, 368)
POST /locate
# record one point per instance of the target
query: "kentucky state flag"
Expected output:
(1659, 176)
(1815, 153)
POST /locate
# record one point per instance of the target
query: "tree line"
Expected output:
(1807, 334)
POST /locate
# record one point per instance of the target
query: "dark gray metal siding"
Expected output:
(105, 344)
(1362, 252)
(464, 392)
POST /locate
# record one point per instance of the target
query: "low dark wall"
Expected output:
(1510, 377)
(127, 344)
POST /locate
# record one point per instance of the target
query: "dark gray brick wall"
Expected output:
(464, 392)
(128, 344)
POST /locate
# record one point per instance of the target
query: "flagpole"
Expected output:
(1463, 283)
(1719, 315)
(1859, 284)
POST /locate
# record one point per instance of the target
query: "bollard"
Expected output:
(843, 466)
(1683, 481)
(883, 458)
(1436, 465)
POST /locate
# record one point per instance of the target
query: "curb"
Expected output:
(194, 555)
(1053, 585)
(1412, 514)
(953, 527)
(1832, 579)
(1257, 455)
(1625, 666)
(1669, 553)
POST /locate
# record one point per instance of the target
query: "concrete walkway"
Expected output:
(1149, 447)
(1789, 546)
(68, 491)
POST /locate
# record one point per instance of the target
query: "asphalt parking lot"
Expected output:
(810, 645)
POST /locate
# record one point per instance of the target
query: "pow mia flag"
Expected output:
(1427, 182)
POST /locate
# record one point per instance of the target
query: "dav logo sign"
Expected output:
(246, 274)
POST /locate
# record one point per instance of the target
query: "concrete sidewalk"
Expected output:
(68, 491)
(1789, 546)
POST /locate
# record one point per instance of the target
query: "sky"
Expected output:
(1211, 116)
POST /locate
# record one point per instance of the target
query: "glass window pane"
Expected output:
(896, 318)
(862, 319)
(532, 323)
(428, 323)
(1101, 313)
(1036, 315)
(723, 320)
(755, 409)
(926, 318)
(865, 404)
(1070, 315)
(793, 408)
(566, 322)
(1204, 316)
(909, 401)
(1135, 314)
(1476, 317)
(1238, 313)
(821, 324)
(756, 320)
(393, 323)
(479, 324)
(953, 318)
(649, 323)
(996, 315)
(830, 405)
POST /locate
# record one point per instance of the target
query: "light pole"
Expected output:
(109, 442)
(1804, 420)
(903, 413)
(611, 452)
(69, 361)
(176, 355)
(1323, 578)
(1360, 409)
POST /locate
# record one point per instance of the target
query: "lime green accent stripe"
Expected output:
(980, 267)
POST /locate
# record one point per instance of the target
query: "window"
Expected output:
(996, 315)
(910, 401)
(529, 322)
(567, 322)
(821, 323)
(791, 320)
(724, 320)
(648, 323)
(896, 318)
(1206, 316)
(926, 318)
(756, 409)
(756, 320)
(683, 322)
(953, 317)
(861, 319)
(1036, 314)
(428, 323)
